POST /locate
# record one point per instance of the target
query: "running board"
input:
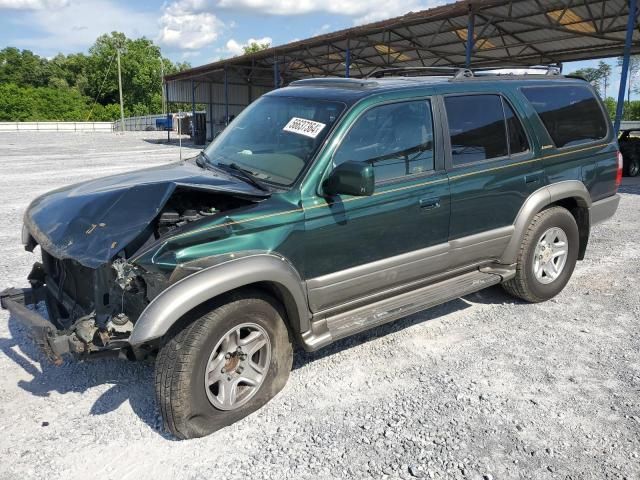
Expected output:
(342, 325)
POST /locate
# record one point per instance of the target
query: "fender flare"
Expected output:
(538, 200)
(189, 292)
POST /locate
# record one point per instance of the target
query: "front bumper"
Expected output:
(52, 342)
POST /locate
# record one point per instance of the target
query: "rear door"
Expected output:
(492, 170)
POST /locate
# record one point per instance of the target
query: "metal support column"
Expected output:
(471, 20)
(249, 80)
(226, 97)
(276, 73)
(631, 22)
(166, 99)
(193, 109)
(347, 60)
(210, 112)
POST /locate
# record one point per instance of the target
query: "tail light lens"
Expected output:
(619, 172)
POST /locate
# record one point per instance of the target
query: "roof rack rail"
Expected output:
(459, 73)
(419, 71)
(338, 82)
(519, 70)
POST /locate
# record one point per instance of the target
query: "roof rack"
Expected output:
(420, 71)
(520, 70)
(337, 82)
(458, 73)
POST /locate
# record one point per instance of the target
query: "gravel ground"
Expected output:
(483, 387)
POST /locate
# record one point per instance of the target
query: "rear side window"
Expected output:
(571, 114)
(477, 128)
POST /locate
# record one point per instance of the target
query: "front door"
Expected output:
(359, 246)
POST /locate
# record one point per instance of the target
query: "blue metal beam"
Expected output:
(471, 20)
(631, 22)
(166, 97)
(166, 104)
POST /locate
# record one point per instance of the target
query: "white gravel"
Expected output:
(483, 387)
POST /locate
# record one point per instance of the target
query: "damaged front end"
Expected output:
(89, 313)
(92, 289)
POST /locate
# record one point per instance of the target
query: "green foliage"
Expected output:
(631, 109)
(610, 105)
(634, 70)
(254, 47)
(40, 103)
(66, 87)
(598, 77)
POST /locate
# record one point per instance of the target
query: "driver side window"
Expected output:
(396, 139)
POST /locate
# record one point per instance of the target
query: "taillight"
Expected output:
(619, 172)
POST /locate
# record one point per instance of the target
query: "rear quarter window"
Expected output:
(570, 113)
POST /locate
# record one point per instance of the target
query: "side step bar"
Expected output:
(329, 329)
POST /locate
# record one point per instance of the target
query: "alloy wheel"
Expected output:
(550, 255)
(237, 366)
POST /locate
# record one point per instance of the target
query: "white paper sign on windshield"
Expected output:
(305, 127)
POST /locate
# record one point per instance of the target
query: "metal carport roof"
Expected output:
(504, 32)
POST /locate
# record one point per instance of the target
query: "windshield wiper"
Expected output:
(202, 160)
(244, 174)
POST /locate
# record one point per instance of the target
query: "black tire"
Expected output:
(632, 168)
(525, 285)
(182, 361)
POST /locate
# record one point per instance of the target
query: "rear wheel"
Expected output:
(231, 360)
(547, 256)
(633, 166)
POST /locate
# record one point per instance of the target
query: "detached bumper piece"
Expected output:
(55, 343)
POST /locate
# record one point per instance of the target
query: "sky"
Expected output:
(197, 31)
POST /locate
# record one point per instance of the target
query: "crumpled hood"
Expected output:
(92, 221)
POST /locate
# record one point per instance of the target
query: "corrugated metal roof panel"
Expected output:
(531, 31)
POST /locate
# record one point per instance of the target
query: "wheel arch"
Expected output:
(570, 194)
(265, 271)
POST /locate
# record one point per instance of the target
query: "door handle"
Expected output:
(532, 178)
(429, 203)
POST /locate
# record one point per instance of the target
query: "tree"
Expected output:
(254, 47)
(142, 68)
(598, 77)
(634, 69)
(23, 68)
(81, 85)
(605, 73)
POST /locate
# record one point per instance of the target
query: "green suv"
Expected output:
(326, 208)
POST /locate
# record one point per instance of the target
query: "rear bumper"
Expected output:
(603, 209)
(52, 342)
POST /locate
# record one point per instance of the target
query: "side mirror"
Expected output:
(350, 178)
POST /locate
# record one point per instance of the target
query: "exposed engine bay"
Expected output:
(94, 309)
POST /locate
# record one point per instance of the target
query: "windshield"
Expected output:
(274, 138)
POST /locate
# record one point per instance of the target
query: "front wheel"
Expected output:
(547, 256)
(228, 362)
